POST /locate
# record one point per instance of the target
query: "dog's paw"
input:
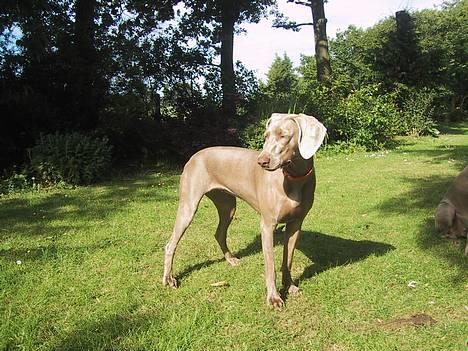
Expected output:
(294, 290)
(275, 301)
(170, 281)
(232, 260)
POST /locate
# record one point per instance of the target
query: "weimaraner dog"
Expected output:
(278, 182)
(451, 217)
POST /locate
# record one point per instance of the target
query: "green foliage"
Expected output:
(252, 136)
(17, 182)
(443, 41)
(365, 117)
(282, 78)
(131, 129)
(354, 53)
(417, 112)
(49, 84)
(341, 148)
(70, 158)
(425, 50)
(279, 94)
(398, 77)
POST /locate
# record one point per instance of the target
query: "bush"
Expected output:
(252, 136)
(365, 117)
(70, 158)
(417, 110)
(17, 182)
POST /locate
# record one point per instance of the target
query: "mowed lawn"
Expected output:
(80, 269)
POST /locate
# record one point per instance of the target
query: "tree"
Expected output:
(220, 20)
(406, 43)
(443, 39)
(280, 91)
(84, 83)
(281, 77)
(324, 71)
(230, 12)
(65, 64)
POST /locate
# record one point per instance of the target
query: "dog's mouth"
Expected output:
(279, 165)
(271, 169)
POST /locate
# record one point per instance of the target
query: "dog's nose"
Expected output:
(263, 160)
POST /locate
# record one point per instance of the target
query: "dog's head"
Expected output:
(289, 136)
(447, 222)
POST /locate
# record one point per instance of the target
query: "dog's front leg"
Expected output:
(273, 297)
(293, 231)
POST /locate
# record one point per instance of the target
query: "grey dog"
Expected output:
(451, 216)
(278, 182)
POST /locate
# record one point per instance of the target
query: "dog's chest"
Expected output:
(294, 205)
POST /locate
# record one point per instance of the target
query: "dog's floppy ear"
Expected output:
(311, 135)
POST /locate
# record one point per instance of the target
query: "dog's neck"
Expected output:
(299, 169)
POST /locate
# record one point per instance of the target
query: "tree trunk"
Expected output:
(321, 41)
(408, 52)
(85, 72)
(229, 16)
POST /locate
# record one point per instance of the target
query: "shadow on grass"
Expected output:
(107, 334)
(196, 267)
(325, 251)
(53, 251)
(456, 154)
(454, 151)
(27, 216)
(424, 193)
(459, 128)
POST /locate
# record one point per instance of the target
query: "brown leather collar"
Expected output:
(296, 179)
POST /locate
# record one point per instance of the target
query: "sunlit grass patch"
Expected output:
(81, 268)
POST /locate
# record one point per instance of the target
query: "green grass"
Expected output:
(91, 264)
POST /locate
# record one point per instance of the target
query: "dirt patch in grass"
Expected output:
(416, 320)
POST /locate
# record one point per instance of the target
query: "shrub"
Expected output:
(17, 182)
(417, 110)
(252, 136)
(70, 158)
(365, 117)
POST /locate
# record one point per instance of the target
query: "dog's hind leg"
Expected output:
(190, 194)
(226, 205)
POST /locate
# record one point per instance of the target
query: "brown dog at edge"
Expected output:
(451, 217)
(278, 182)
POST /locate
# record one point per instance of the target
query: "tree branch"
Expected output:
(300, 2)
(292, 25)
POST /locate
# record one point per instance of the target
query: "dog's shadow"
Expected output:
(327, 251)
(324, 251)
